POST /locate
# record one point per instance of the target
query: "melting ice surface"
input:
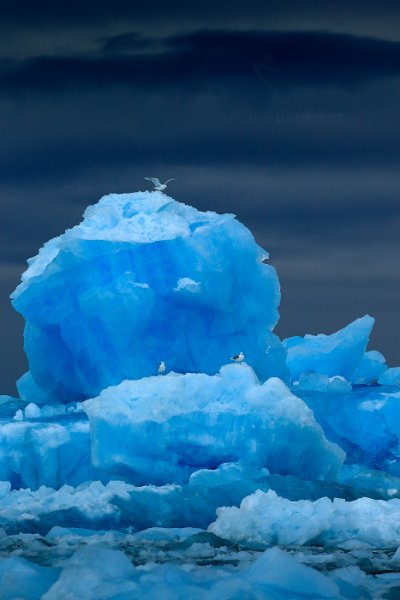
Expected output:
(277, 478)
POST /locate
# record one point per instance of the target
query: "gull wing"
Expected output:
(172, 179)
(155, 180)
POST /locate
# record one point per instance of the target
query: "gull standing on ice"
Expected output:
(161, 368)
(160, 187)
(238, 357)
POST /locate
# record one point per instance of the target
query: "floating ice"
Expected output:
(22, 579)
(268, 519)
(144, 278)
(161, 429)
(117, 505)
(102, 572)
(337, 354)
(112, 497)
(177, 562)
(234, 418)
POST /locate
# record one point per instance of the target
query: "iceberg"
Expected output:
(161, 429)
(267, 519)
(277, 477)
(142, 279)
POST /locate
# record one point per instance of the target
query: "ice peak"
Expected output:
(144, 277)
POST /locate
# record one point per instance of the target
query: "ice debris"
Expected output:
(94, 505)
(270, 520)
(102, 572)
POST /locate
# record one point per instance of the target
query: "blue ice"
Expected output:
(161, 429)
(371, 368)
(365, 423)
(337, 354)
(117, 482)
(323, 522)
(142, 279)
(390, 376)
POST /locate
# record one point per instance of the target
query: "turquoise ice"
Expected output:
(337, 354)
(119, 482)
(161, 429)
(142, 279)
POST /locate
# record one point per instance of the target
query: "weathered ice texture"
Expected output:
(142, 279)
(161, 429)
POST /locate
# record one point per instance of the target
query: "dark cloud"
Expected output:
(13, 362)
(300, 57)
(126, 43)
(356, 15)
(213, 57)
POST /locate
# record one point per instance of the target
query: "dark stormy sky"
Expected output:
(285, 113)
